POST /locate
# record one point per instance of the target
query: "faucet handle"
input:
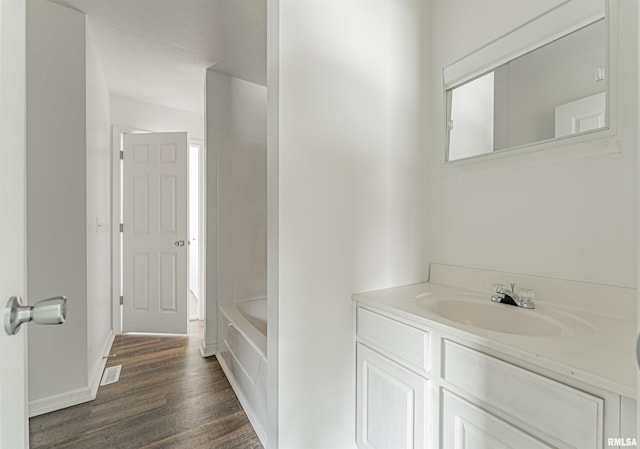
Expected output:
(527, 295)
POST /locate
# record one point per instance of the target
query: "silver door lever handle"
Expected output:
(48, 311)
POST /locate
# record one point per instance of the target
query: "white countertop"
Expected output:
(592, 347)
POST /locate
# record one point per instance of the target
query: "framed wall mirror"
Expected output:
(537, 94)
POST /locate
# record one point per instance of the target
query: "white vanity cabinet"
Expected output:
(392, 387)
(392, 403)
(427, 388)
(514, 403)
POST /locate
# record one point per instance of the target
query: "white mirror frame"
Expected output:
(567, 17)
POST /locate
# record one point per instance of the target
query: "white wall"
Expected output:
(573, 219)
(98, 210)
(351, 191)
(68, 182)
(236, 128)
(132, 113)
(242, 218)
(56, 194)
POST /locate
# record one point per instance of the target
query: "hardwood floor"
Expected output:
(167, 397)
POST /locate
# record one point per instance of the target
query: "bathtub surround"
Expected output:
(243, 357)
(242, 218)
(236, 199)
(237, 229)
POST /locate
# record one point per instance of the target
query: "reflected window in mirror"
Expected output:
(555, 91)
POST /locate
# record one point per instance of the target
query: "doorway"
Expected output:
(195, 238)
(196, 217)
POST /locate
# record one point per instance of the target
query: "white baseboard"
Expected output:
(208, 350)
(59, 401)
(97, 375)
(74, 397)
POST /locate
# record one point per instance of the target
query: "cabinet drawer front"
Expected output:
(532, 401)
(401, 342)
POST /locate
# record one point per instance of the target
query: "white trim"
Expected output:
(97, 374)
(553, 24)
(273, 225)
(605, 142)
(116, 132)
(208, 350)
(558, 149)
(59, 401)
(116, 319)
(74, 397)
(637, 314)
(202, 191)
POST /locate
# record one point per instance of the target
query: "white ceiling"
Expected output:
(158, 50)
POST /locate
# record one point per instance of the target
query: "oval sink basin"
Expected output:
(495, 317)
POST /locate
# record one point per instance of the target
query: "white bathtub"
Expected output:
(242, 353)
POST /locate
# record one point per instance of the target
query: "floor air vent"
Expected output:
(111, 375)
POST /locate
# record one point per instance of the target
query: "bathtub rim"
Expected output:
(254, 337)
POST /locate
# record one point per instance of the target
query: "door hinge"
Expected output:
(122, 155)
(122, 300)
(121, 227)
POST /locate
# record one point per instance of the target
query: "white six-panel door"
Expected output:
(155, 233)
(13, 349)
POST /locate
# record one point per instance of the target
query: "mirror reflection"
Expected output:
(555, 91)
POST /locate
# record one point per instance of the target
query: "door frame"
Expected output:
(14, 420)
(116, 205)
(202, 216)
(116, 253)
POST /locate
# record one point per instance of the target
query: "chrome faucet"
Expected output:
(506, 296)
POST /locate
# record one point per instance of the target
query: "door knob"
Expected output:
(179, 243)
(48, 311)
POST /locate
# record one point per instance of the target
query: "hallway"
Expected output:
(167, 397)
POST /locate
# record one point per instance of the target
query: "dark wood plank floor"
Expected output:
(167, 397)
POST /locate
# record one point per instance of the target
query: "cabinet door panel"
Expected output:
(391, 404)
(465, 426)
